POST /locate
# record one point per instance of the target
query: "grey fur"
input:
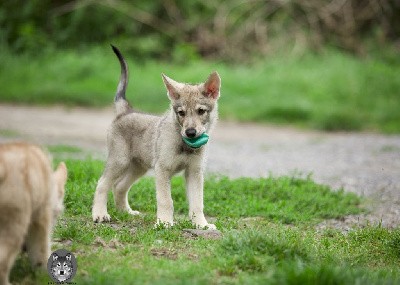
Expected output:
(138, 142)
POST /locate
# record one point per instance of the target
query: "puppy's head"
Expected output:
(194, 105)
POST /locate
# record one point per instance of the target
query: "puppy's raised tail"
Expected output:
(121, 104)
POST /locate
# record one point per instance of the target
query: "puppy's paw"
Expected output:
(163, 224)
(201, 223)
(210, 227)
(133, 213)
(101, 218)
(206, 227)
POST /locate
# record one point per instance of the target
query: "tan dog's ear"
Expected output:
(212, 86)
(60, 175)
(171, 86)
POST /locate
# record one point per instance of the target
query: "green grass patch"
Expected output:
(390, 148)
(64, 149)
(268, 228)
(289, 200)
(331, 91)
(9, 133)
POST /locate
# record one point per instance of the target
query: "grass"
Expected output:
(331, 91)
(63, 149)
(268, 228)
(9, 133)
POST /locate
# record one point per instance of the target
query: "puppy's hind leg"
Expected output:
(122, 186)
(99, 210)
(117, 162)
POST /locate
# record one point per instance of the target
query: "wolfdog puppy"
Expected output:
(168, 144)
(31, 198)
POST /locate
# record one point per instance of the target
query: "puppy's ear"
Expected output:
(61, 173)
(171, 86)
(212, 86)
(60, 176)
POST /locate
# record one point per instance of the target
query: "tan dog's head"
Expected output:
(60, 178)
(195, 106)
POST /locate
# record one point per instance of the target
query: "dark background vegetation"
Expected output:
(322, 64)
(232, 30)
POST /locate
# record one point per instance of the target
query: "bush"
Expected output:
(178, 29)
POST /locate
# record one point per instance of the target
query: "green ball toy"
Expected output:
(196, 142)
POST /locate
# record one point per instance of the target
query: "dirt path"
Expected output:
(368, 164)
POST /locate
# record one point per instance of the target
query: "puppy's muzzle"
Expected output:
(191, 132)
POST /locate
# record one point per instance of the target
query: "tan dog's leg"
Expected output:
(11, 241)
(8, 252)
(38, 237)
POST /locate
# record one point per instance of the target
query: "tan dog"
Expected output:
(31, 198)
(138, 142)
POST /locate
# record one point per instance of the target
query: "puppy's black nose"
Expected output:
(191, 133)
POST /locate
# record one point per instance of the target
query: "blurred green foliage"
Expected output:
(330, 91)
(182, 30)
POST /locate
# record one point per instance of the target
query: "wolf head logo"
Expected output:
(62, 266)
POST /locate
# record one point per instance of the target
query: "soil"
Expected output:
(365, 163)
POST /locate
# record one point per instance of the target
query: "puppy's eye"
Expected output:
(181, 113)
(201, 111)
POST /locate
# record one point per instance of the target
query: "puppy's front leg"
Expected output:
(194, 189)
(165, 207)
